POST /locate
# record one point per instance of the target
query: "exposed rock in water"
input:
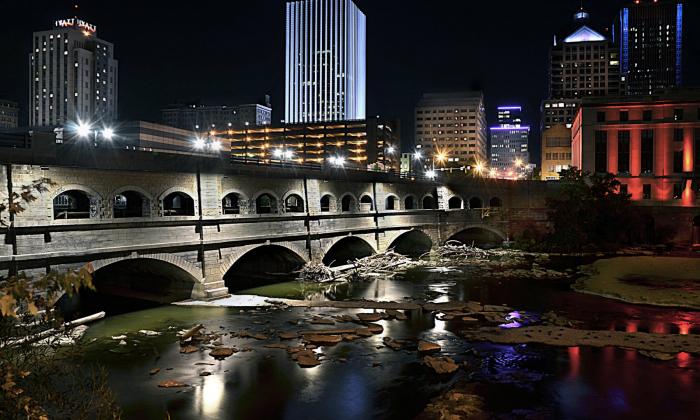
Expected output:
(323, 339)
(188, 349)
(221, 353)
(168, 383)
(204, 373)
(350, 337)
(569, 337)
(658, 355)
(154, 371)
(363, 332)
(370, 317)
(149, 332)
(288, 335)
(306, 358)
(393, 313)
(375, 328)
(454, 405)
(276, 346)
(441, 365)
(428, 347)
(321, 321)
(393, 344)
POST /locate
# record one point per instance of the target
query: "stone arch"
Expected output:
(478, 229)
(495, 202)
(175, 260)
(366, 199)
(274, 206)
(261, 264)
(354, 204)
(476, 202)
(455, 202)
(412, 242)
(240, 251)
(356, 247)
(409, 202)
(243, 200)
(392, 202)
(92, 201)
(146, 197)
(192, 195)
(299, 196)
(328, 203)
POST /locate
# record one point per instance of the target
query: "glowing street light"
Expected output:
(418, 155)
(288, 154)
(84, 129)
(479, 168)
(277, 153)
(338, 161)
(518, 163)
(493, 172)
(390, 150)
(107, 133)
(441, 157)
(216, 146)
(199, 143)
(431, 174)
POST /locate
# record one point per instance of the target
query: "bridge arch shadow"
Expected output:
(347, 249)
(124, 285)
(263, 265)
(413, 243)
(483, 236)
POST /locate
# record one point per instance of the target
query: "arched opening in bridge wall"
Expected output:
(479, 236)
(495, 202)
(476, 203)
(347, 203)
(413, 243)
(347, 249)
(231, 204)
(129, 285)
(409, 203)
(366, 203)
(294, 204)
(73, 204)
(391, 203)
(130, 204)
(178, 204)
(428, 202)
(454, 203)
(261, 266)
(265, 204)
(327, 204)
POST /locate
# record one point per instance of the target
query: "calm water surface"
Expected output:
(362, 379)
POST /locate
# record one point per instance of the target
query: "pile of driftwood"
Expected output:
(317, 272)
(454, 252)
(385, 265)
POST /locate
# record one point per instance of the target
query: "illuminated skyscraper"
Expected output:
(651, 45)
(325, 61)
(509, 140)
(72, 75)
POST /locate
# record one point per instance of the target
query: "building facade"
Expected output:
(651, 45)
(360, 144)
(207, 117)
(556, 151)
(584, 63)
(651, 143)
(325, 61)
(509, 141)
(450, 128)
(72, 76)
(9, 114)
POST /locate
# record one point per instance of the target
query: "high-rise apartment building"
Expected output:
(325, 61)
(9, 114)
(584, 63)
(451, 128)
(220, 117)
(72, 75)
(509, 140)
(559, 111)
(651, 45)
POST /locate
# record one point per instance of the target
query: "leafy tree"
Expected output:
(37, 381)
(588, 211)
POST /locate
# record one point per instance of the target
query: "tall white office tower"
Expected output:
(72, 75)
(325, 61)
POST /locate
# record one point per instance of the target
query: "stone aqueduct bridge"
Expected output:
(191, 224)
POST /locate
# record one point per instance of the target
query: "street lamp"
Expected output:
(108, 133)
(85, 130)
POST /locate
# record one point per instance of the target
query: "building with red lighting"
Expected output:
(651, 143)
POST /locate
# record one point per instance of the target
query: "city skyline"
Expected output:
(178, 67)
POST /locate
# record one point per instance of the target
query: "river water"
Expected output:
(363, 379)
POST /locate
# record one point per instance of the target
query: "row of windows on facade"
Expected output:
(444, 111)
(647, 115)
(76, 204)
(646, 152)
(558, 156)
(647, 190)
(471, 117)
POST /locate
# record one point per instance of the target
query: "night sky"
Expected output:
(233, 52)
